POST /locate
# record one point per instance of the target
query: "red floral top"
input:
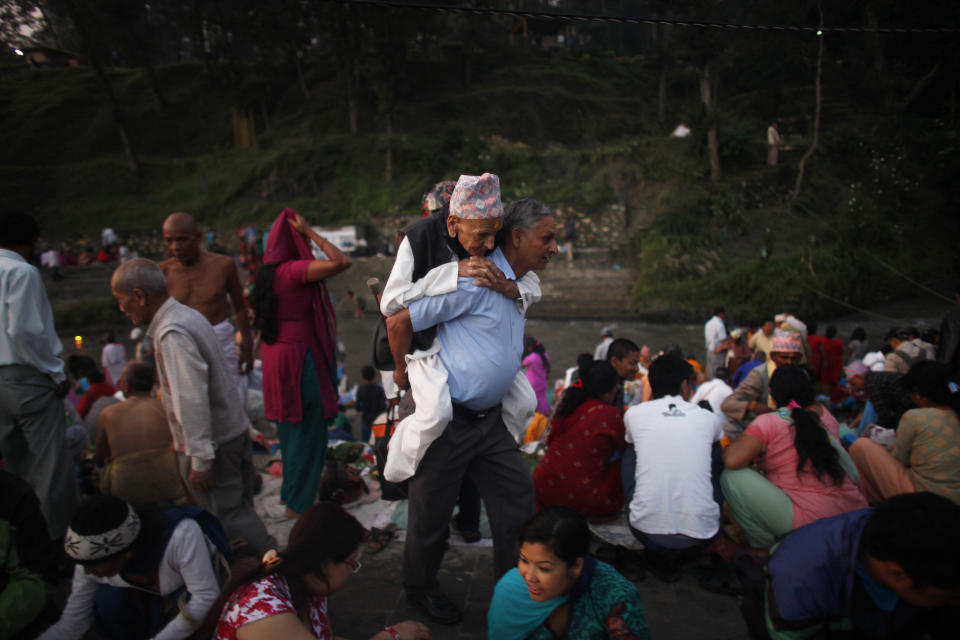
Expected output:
(582, 467)
(267, 597)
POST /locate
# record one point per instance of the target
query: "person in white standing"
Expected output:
(32, 379)
(714, 333)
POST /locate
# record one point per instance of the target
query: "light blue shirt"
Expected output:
(481, 338)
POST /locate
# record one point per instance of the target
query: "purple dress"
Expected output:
(537, 375)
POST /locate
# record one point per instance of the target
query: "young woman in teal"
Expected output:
(558, 590)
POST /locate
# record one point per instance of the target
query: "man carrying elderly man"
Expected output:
(752, 397)
(479, 341)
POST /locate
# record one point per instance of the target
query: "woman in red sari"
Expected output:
(833, 359)
(582, 467)
(298, 332)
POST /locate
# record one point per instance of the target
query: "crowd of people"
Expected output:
(824, 476)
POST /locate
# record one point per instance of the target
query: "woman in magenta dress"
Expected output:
(298, 332)
(582, 467)
(536, 364)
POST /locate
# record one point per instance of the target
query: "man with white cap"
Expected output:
(752, 397)
(479, 343)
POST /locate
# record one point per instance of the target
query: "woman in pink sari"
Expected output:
(298, 332)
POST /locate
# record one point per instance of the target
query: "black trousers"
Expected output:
(480, 448)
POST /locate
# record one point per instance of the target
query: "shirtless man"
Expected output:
(203, 280)
(134, 442)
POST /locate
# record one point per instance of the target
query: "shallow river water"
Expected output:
(566, 338)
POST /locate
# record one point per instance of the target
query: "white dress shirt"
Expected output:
(28, 337)
(713, 333)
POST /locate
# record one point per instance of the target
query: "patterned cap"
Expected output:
(437, 197)
(786, 341)
(855, 368)
(477, 198)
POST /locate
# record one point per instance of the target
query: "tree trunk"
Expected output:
(352, 107)
(300, 78)
(713, 144)
(159, 102)
(91, 52)
(816, 121)
(388, 159)
(879, 62)
(661, 77)
(199, 34)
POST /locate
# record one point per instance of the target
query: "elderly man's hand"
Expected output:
(201, 480)
(487, 274)
(400, 379)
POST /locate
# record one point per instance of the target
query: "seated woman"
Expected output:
(285, 596)
(559, 591)
(807, 474)
(587, 434)
(926, 449)
(133, 568)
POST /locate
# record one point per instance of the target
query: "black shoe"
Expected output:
(468, 536)
(435, 606)
(630, 564)
(665, 566)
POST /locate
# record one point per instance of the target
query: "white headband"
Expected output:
(98, 546)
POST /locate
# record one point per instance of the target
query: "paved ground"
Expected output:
(374, 598)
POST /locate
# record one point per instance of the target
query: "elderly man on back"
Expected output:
(480, 335)
(208, 425)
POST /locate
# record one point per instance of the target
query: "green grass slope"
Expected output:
(877, 210)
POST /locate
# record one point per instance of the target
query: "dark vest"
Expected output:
(432, 247)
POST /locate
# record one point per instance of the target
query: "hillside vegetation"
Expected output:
(577, 129)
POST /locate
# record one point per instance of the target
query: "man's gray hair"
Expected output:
(140, 273)
(524, 215)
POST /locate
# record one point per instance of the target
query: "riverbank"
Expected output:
(577, 303)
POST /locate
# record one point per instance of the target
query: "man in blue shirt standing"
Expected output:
(480, 333)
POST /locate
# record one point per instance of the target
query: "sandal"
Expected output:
(379, 538)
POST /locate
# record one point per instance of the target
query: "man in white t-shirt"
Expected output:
(673, 506)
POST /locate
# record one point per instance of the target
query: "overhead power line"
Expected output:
(699, 24)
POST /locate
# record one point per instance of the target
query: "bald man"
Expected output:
(204, 281)
(208, 427)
